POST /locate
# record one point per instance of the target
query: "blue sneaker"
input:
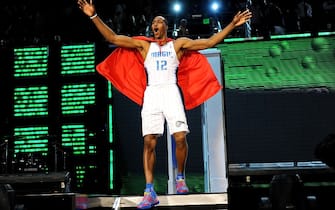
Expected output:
(181, 187)
(149, 200)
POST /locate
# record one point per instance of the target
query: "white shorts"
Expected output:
(162, 103)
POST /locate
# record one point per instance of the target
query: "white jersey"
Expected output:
(161, 64)
(162, 98)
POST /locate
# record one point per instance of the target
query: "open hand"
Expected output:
(241, 17)
(87, 7)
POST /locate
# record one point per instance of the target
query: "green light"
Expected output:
(31, 150)
(74, 65)
(20, 59)
(31, 142)
(78, 48)
(111, 169)
(28, 50)
(110, 89)
(80, 175)
(30, 61)
(242, 39)
(92, 149)
(31, 101)
(289, 36)
(285, 63)
(110, 123)
(78, 59)
(206, 21)
(30, 146)
(326, 33)
(73, 135)
(111, 138)
(31, 139)
(75, 97)
(82, 54)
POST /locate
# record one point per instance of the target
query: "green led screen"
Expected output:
(31, 62)
(279, 97)
(281, 63)
(78, 59)
(72, 94)
(76, 96)
(31, 101)
(73, 135)
(80, 175)
(31, 139)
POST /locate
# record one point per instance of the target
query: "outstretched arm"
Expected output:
(120, 40)
(200, 44)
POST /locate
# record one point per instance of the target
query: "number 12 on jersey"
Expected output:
(161, 65)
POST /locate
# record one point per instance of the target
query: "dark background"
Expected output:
(38, 21)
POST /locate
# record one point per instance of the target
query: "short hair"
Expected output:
(163, 18)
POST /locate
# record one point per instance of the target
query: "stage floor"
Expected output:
(192, 201)
(73, 201)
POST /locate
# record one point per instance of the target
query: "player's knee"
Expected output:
(180, 137)
(150, 142)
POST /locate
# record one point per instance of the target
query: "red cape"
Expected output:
(124, 68)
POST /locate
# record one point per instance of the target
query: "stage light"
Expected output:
(177, 7)
(215, 7)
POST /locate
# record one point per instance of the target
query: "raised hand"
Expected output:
(241, 17)
(87, 7)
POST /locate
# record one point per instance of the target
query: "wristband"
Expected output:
(93, 16)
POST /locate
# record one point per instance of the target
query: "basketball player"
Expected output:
(153, 64)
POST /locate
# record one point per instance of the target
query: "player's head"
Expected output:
(159, 27)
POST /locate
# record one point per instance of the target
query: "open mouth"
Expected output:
(155, 29)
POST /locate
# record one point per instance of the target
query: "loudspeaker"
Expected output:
(243, 196)
(7, 197)
(28, 183)
(287, 192)
(53, 201)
